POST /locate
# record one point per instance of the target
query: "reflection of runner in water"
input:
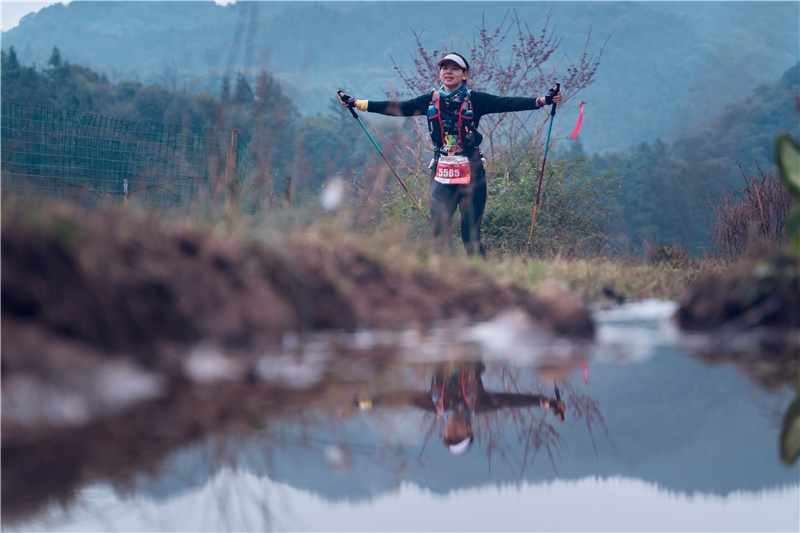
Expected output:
(456, 394)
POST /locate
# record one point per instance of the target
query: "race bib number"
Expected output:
(452, 170)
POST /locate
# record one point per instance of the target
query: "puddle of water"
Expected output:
(652, 439)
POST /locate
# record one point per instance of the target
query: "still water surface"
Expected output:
(653, 439)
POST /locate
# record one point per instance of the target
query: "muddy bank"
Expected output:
(752, 313)
(133, 284)
(81, 289)
(754, 292)
(125, 336)
(90, 297)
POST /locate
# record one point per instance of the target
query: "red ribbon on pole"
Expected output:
(580, 122)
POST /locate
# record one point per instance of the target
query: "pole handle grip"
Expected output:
(352, 111)
(553, 108)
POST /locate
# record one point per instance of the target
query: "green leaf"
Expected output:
(793, 226)
(788, 156)
(790, 433)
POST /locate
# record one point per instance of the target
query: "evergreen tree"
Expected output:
(242, 93)
(225, 92)
(55, 58)
(10, 62)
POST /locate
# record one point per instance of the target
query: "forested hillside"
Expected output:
(310, 148)
(666, 66)
(667, 188)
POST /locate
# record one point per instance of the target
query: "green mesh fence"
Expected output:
(93, 158)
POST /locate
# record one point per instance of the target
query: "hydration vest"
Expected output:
(468, 137)
(455, 390)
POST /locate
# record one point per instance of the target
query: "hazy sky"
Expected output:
(12, 11)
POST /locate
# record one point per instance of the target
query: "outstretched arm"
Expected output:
(407, 108)
(486, 104)
(501, 400)
(416, 399)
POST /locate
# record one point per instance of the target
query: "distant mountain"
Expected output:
(747, 128)
(701, 167)
(667, 66)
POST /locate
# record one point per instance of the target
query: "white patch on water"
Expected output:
(207, 364)
(514, 336)
(75, 400)
(291, 371)
(628, 333)
(654, 311)
(31, 401)
(631, 332)
(119, 385)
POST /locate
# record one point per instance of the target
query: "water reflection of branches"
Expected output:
(533, 430)
(586, 410)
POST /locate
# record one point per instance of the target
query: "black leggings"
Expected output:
(471, 202)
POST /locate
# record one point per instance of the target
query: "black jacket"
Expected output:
(482, 104)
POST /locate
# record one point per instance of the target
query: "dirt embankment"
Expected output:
(85, 290)
(131, 284)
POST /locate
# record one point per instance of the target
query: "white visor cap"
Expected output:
(458, 60)
(461, 447)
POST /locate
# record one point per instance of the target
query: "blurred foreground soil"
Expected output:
(101, 309)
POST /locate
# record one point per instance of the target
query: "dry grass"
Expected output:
(662, 275)
(753, 216)
(601, 279)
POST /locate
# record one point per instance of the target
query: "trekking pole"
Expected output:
(355, 116)
(541, 175)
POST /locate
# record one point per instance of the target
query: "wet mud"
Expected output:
(126, 337)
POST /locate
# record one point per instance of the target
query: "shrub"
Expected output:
(576, 210)
(671, 255)
(752, 217)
